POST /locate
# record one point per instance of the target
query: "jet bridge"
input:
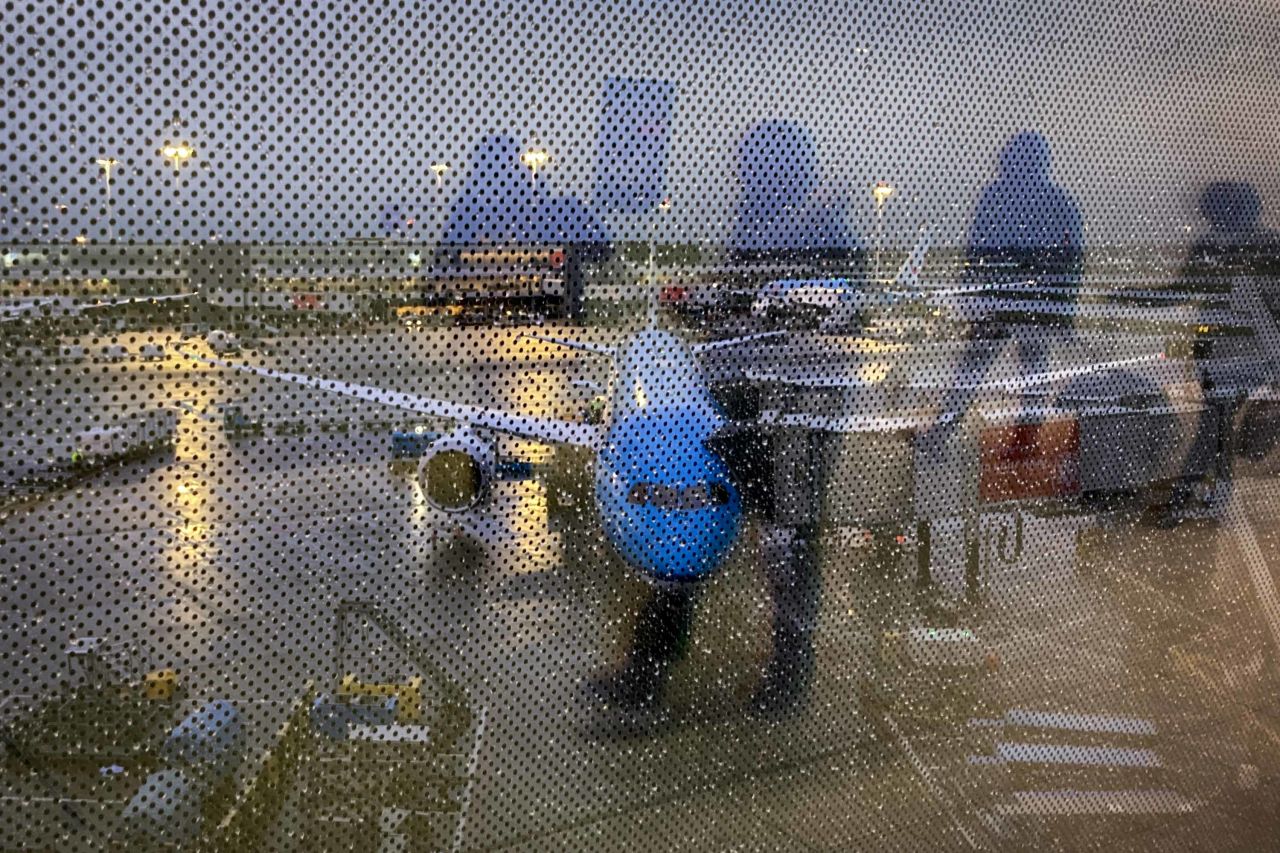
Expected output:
(891, 453)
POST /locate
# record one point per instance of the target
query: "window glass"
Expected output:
(334, 338)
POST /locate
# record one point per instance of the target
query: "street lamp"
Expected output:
(438, 169)
(881, 192)
(177, 153)
(662, 207)
(535, 159)
(107, 164)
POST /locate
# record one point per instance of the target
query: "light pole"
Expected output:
(663, 207)
(108, 164)
(535, 159)
(177, 153)
(438, 169)
(882, 191)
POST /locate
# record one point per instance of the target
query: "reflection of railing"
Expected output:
(259, 802)
(451, 696)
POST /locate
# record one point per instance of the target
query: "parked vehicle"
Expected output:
(133, 435)
(223, 342)
(113, 353)
(72, 352)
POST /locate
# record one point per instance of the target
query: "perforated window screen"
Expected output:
(639, 426)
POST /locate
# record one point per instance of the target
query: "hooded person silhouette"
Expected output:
(501, 204)
(1025, 229)
(1236, 242)
(784, 215)
(1232, 253)
(1025, 220)
(784, 212)
(497, 202)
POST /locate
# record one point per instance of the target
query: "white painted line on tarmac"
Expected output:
(1092, 723)
(1097, 803)
(1241, 530)
(1082, 756)
(934, 788)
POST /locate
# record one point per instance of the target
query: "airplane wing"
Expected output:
(522, 426)
(570, 343)
(699, 349)
(851, 423)
(853, 377)
(1031, 380)
(113, 301)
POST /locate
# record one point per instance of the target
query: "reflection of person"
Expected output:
(1235, 245)
(1024, 223)
(1025, 229)
(496, 202)
(785, 213)
(499, 205)
(665, 620)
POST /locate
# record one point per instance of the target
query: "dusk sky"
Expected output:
(308, 122)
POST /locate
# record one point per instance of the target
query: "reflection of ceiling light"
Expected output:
(178, 152)
(535, 159)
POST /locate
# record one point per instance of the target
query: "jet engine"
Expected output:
(456, 471)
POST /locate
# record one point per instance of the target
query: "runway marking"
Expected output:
(1259, 573)
(939, 794)
(1063, 803)
(1048, 753)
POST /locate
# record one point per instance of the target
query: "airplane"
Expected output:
(55, 307)
(835, 296)
(667, 500)
(839, 301)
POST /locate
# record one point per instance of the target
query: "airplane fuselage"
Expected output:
(666, 501)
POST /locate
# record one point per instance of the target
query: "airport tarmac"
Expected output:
(228, 560)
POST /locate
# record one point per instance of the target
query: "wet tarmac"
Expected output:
(228, 560)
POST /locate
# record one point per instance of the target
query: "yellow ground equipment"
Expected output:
(408, 695)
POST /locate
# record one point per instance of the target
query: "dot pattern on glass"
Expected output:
(639, 426)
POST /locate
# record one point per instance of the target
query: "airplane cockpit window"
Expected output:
(697, 496)
(640, 426)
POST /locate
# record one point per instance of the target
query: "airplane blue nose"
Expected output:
(667, 502)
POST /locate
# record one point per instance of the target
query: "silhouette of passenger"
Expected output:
(497, 202)
(1025, 225)
(784, 215)
(500, 204)
(1234, 249)
(784, 212)
(1236, 243)
(1026, 230)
